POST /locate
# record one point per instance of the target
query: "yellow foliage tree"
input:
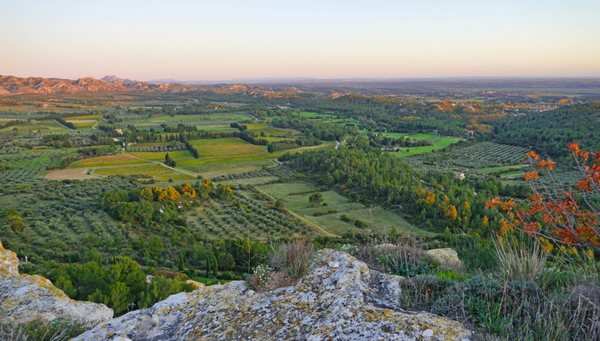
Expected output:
(450, 212)
(425, 196)
(189, 191)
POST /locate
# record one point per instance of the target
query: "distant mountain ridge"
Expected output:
(113, 78)
(11, 85)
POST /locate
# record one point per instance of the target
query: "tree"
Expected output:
(555, 213)
(13, 219)
(316, 198)
(156, 247)
(216, 267)
(181, 265)
(208, 256)
(65, 285)
(246, 245)
(119, 294)
(226, 260)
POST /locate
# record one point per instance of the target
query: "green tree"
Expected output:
(226, 260)
(316, 198)
(119, 297)
(216, 267)
(181, 265)
(13, 219)
(128, 272)
(156, 247)
(65, 285)
(208, 256)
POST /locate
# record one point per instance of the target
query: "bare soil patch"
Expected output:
(71, 174)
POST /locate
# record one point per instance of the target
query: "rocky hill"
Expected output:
(25, 298)
(11, 85)
(113, 78)
(340, 299)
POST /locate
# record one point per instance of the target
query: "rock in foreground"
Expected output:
(25, 298)
(340, 299)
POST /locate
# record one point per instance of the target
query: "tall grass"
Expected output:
(518, 260)
(57, 330)
(294, 257)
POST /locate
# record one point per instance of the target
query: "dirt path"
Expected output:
(162, 164)
(319, 228)
(63, 125)
(315, 226)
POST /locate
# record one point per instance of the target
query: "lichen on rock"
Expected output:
(445, 257)
(339, 299)
(25, 298)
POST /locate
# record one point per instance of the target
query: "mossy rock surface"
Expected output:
(340, 299)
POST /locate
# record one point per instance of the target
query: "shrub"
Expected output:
(517, 310)
(406, 259)
(56, 330)
(518, 261)
(360, 223)
(294, 258)
(261, 276)
(228, 276)
(345, 218)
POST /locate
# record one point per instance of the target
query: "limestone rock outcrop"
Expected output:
(340, 299)
(445, 257)
(25, 298)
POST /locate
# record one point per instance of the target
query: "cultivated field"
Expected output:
(160, 156)
(216, 169)
(440, 143)
(295, 197)
(71, 174)
(226, 147)
(155, 171)
(113, 160)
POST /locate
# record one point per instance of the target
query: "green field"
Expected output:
(43, 125)
(160, 156)
(149, 170)
(430, 136)
(84, 117)
(274, 131)
(256, 126)
(438, 144)
(378, 219)
(149, 144)
(396, 135)
(83, 124)
(226, 147)
(156, 171)
(216, 128)
(216, 169)
(115, 160)
(192, 163)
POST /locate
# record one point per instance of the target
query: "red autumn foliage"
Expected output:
(555, 213)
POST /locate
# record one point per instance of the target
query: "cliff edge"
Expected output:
(25, 298)
(340, 299)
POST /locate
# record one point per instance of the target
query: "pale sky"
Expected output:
(220, 40)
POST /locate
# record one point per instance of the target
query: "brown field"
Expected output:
(71, 174)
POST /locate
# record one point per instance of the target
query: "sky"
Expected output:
(327, 39)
